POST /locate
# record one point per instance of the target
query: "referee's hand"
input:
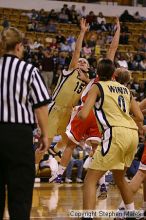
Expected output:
(43, 144)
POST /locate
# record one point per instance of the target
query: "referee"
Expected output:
(23, 100)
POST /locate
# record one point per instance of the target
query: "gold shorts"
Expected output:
(117, 149)
(58, 120)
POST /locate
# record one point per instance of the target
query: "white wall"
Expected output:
(108, 10)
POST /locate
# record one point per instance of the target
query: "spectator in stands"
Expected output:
(51, 27)
(31, 43)
(40, 53)
(71, 39)
(47, 68)
(57, 73)
(109, 37)
(135, 84)
(65, 9)
(142, 64)
(73, 17)
(32, 26)
(122, 62)
(136, 60)
(126, 17)
(38, 43)
(65, 47)
(52, 15)
(61, 59)
(33, 14)
(27, 53)
(129, 58)
(77, 161)
(124, 28)
(73, 8)
(101, 18)
(40, 27)
(92, 41)
(97, 51)
(141, 47)
(92, 60)
(141, 91)
(86, 51)
(68, 57)
(91, 20)
(42, 16)
(60, 37)
(35, 62)
(124, 38)
(63, 17)
(101, 39)
(55, 58)
(82, 12)
(137, 17)
(53, 45)
(142, 38)
(102, 23)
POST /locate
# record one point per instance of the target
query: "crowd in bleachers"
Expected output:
(50, 39)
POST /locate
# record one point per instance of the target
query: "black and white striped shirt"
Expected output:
(21, 90)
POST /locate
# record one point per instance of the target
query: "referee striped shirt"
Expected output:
(22, 89)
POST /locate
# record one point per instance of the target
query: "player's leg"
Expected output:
(126, 193)
(74, 133)
(90, 187)
(66, 156)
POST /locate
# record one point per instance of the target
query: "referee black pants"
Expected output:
(17, 170)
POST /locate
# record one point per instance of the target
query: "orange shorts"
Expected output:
(87, 129)
(142, 165)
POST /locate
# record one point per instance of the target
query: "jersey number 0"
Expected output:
(121, 103)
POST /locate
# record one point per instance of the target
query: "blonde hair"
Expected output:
(81, 58)
(122, 75)
(9, 37)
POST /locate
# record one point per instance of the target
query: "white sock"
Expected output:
(144, 205)
(122, 205)
(61, 170)
(130, 206)
(102, 180)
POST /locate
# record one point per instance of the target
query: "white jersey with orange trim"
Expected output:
(86, 90)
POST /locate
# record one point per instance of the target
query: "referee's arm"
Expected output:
(40, 97)
(42, 117)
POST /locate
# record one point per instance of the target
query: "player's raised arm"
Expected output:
(84, 27)
(115, 42)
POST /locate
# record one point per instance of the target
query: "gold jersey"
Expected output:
(113, 107)
(69, 89)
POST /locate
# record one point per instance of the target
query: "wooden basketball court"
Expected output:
(53, 201)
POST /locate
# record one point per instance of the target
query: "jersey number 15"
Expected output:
(79, 87)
